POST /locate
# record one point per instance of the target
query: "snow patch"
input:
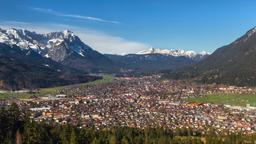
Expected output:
(171, 52)
(81, 53)
(46, 65)
(47, 56)
(56, 41)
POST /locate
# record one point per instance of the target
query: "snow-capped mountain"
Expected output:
(64, 47)
(176, 53)
(67, 48)
(155, 60)
(55, 45)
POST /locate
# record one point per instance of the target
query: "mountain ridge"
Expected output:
(232, 64)
(63, 47)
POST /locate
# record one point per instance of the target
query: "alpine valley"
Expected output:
(31, 60)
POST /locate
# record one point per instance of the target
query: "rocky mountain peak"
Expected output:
(64, 35)
(67, 32)
(63, 46)
(55, 45)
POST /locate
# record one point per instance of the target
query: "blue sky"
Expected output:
(127, 26)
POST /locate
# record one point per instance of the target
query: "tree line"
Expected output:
(17, 127)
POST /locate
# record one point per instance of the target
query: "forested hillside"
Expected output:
(16, 127)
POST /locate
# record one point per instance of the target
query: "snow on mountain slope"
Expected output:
(176, 53)
(63, 47)
(46, 44)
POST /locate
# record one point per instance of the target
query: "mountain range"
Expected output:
(155, 60)
(62, 47)
(65, 52)
(66, 48)
(175, 53)
(59, 58)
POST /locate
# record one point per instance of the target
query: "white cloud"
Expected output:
(100, 41)
(111, 44)
(56, 13)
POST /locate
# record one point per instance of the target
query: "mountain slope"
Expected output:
(25, 68)
(233, 64)
(150, 62)
(63, 47)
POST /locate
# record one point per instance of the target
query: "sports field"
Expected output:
(223, 98)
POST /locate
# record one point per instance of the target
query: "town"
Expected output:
(140, 102)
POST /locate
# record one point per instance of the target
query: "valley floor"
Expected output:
(142, 102)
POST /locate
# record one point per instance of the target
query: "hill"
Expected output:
(233, 64)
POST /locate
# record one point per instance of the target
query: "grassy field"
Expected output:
(54, 90)
(230, 99)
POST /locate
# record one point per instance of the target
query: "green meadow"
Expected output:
(54, 90)
(226, 98)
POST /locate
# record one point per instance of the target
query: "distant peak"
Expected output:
(172, 52)
(15, 31)
(151, 50)
(204, 53)
(67, 32)
(251, 31)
